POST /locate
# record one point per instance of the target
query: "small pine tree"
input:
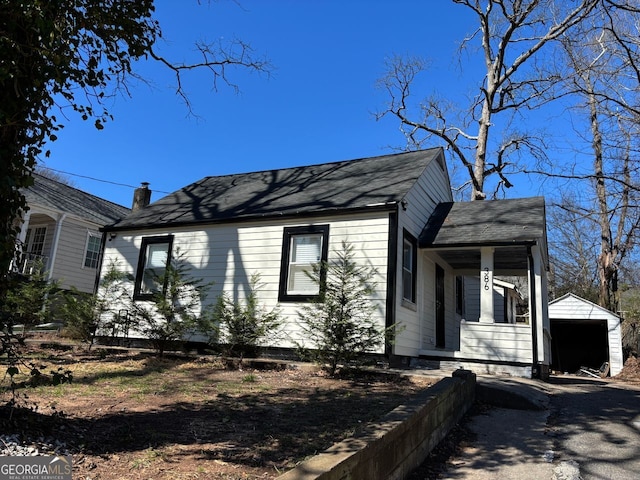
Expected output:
(243, 326)
(84, 315)
(28, 300)
(339, 324)
(172, 313)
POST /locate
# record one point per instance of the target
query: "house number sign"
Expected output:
(486, 278)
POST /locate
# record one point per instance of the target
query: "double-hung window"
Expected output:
(302, 248)
(92, 250)
(409, 267)
(155, 255)
(35, 240)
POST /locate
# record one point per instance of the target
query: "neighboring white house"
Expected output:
(60, 233)
(394, 210)
(584, 335)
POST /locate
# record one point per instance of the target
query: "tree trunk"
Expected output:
(607, 267)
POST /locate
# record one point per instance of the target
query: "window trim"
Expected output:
(142, 258)
(90, 235)
(288, 234)
(407, 237)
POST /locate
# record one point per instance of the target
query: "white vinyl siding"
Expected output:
(68, 268)
(71, 256)
(501, 342)
(430, 189)
(228, 255)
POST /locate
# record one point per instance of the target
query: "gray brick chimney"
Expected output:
(141, 197)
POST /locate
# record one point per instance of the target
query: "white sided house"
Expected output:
(60, 233)
(397, 213)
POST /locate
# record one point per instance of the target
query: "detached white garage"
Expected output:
(584, 335)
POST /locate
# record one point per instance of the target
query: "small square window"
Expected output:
(92, 252)
(303, 247)
(155, 255)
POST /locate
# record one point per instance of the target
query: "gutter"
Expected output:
(54, 246)
(96, 283)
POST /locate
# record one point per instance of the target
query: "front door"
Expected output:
(440, 342)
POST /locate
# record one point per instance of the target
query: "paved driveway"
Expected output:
(596, 427)
(587, 429)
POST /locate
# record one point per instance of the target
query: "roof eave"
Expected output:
(380, 207)
(481, 244)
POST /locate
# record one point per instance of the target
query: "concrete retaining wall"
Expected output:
(391, 449)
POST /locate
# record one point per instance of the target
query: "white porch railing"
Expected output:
(28, 263)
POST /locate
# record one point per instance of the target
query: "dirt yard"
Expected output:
(134, 416)
(631, 371)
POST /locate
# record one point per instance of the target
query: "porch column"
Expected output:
(486, 285)
(24, 227)
(540, 304)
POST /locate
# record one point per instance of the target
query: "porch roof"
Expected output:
(458, 230)
(54, 195)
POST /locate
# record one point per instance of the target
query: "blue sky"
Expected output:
(318, 105)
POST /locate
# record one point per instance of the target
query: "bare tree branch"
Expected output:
(217, 59)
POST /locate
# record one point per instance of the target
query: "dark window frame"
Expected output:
(460, 297)
(288, 234)
(142, 260)
(407, 237)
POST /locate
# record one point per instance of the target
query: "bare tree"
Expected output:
(603, 73)
(513, 36)
(59, 177)
(533, 53)
(572, 252)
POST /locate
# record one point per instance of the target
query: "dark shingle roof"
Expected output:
(55, 195)
(485, 222)
(314, 189)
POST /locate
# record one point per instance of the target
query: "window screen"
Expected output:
(306, 251)
(303, 247)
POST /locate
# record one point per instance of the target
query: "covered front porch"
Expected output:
(37, 242)
(494, 254)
